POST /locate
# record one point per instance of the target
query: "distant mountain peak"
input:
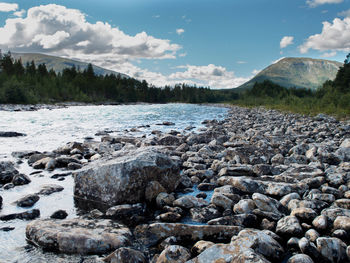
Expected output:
(297, 72)
(59, 63)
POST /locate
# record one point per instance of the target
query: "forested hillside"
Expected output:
(32, 83)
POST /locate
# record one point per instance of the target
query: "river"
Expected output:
(48, 129)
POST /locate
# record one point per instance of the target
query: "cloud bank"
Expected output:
(7, 7)
(335, 36)
(314, 3)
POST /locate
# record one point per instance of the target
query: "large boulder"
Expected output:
(78, 235)
(124, 178)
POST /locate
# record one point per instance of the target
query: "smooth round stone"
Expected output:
(300, 258)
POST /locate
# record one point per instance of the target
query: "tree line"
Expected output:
(32, 84)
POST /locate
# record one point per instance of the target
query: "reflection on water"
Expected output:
(49, 129)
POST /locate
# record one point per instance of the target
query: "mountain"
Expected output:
(58, 63)
(297, 72)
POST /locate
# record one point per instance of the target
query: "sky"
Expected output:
(213, 43)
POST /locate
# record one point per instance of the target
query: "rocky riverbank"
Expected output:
(259, 186)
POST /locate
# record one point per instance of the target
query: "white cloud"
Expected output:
(314, 3)
(345, 13)
(329, 54)
(180, 31)
(19, 13)
(7, 7)
(286, 41)
(210, 75)
(334, 37)
(46, 29)
(183, 54)
(51, 41)
(241, 62)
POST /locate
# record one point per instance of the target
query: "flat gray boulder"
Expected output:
(124, 179)
(78, 235)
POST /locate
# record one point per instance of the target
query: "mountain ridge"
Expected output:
(59, 63)
(297, 72)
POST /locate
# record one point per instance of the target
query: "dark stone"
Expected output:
(59, 214)
(7, 228)
(11, 134)
(50, 189)
(21, 179)
(28, 200)
(28, 215)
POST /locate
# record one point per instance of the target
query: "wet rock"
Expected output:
(8, 186)
(287, 198)
(168, 123)
(342, 203)
(41, 164)
(50, 189)
(7, 172)
(251, 186)
(21, 179)
(127, 213)
(59, 214)
(78, 236)
(200, 246)
(243, 220)
(206, 187)
(267, 225)
(74, 166)
(123, 179)
(153, 189)
(126, 255)
(249, 246)
(222, 201)
(320, 223)
(174, 254)
(204, 214)
(246, 170)
(0, 202)
(309, 248)
(304, 214)
(300, 258)
(7, 228)
(170, 217)
(69, 147)
(293, 244)
(342, 222)
(28, 200)
(164, 199)
(11, 134)
(268, 204)
(63, 161)
(189, 201)
(28, 215)
(289, 226)
(244, 206)
(332, 249)
(153, 233)
(341, 234)
(333, 213)
(169, 140)
(312, 235)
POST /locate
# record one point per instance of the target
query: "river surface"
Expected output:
(47, 130)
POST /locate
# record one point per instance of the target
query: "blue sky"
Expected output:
(219, 43)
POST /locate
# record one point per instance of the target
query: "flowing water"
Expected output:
(48, 129)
